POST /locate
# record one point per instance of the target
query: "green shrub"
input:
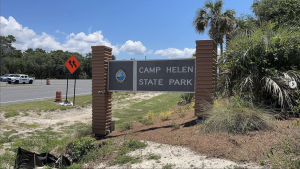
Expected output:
(152, 156)
(149, 119)
(181, 112)
(82, 146)
(175, 126)
(236, 116)
(186, 98)
(127, 146)
(125, 159)
(168, 166)
(11, 114)
(126, 126)
(164, 116)
(106, 151)
(83, 130)
(135, 144)
(191, 106)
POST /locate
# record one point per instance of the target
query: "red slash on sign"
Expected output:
(72, 64)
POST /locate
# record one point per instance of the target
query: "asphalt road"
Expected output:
(20, 93)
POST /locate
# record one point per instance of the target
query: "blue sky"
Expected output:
(159, 29)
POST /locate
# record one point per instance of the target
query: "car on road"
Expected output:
(4, 77)
(20, 78)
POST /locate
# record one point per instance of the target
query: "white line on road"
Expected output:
(43, 98)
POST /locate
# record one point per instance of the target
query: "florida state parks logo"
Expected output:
(120, 76)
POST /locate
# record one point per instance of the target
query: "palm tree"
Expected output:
(220, 24)
(260, 65)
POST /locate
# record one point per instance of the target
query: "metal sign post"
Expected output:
(72, 64)
(74, 88)
(66, 101)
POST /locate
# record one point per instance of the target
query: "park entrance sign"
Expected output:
(176, 75)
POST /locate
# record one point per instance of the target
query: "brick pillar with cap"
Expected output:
(205, 75)
(102, 113)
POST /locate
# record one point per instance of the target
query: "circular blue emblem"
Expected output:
(120, 76)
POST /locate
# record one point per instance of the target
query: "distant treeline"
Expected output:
(41, 64)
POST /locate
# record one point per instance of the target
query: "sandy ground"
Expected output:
(179, 157)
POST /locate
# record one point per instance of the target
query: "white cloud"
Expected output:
(175, 53)
(58, 31)
(149, 51)
(90, 29)
(133, 48)
(27, 38)
(11, 27)
(44, 41)
(82, 43)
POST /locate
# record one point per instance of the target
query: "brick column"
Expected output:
(205, 74)
(101, 118)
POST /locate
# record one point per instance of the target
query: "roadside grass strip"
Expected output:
(137, 111)
(44, 106)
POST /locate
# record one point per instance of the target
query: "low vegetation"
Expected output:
(112, 151)
(164, 116)
(43, 106)
(126, 126)
(40, 141)
(168, 166)
(175, 126)
(286, 154)
(43, 140)
(81, 146)
(11, 114)
(153, 156)
(236, 116)
(137, 111)
(186, 98)
(148, 119)
(181, 112)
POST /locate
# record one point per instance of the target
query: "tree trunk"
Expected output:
(221, 46)
(228, 38)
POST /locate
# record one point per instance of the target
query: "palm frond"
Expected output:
(247, 82)
(274, 88)
(201, 21)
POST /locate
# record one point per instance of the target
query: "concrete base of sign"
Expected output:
(66, 103)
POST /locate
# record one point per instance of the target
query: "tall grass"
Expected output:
(236, 116)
